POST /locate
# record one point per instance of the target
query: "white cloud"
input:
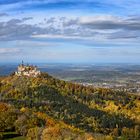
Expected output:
(9, 50)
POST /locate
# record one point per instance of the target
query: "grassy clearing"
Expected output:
(11, 136)
(17, 138)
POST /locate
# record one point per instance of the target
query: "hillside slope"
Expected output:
(84, 109)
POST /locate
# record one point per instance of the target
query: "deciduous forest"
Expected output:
(45, 108)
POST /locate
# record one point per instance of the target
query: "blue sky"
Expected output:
(70, 31)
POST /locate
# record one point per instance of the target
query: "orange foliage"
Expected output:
(49, 120)
(3, 107)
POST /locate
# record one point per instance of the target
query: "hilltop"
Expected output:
(70, 109)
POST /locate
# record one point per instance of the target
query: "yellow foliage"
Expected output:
(111, 106)
(23, 109)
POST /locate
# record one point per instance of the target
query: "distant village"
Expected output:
(27, 70)
(125, 87)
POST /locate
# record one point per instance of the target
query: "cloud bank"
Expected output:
(103, 27)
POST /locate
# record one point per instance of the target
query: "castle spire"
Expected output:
(22, 63)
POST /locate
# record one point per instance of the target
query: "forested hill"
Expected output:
(74, 107)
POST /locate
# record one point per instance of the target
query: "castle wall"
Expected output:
(30, 71)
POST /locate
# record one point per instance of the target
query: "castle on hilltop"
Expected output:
(27, 70)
